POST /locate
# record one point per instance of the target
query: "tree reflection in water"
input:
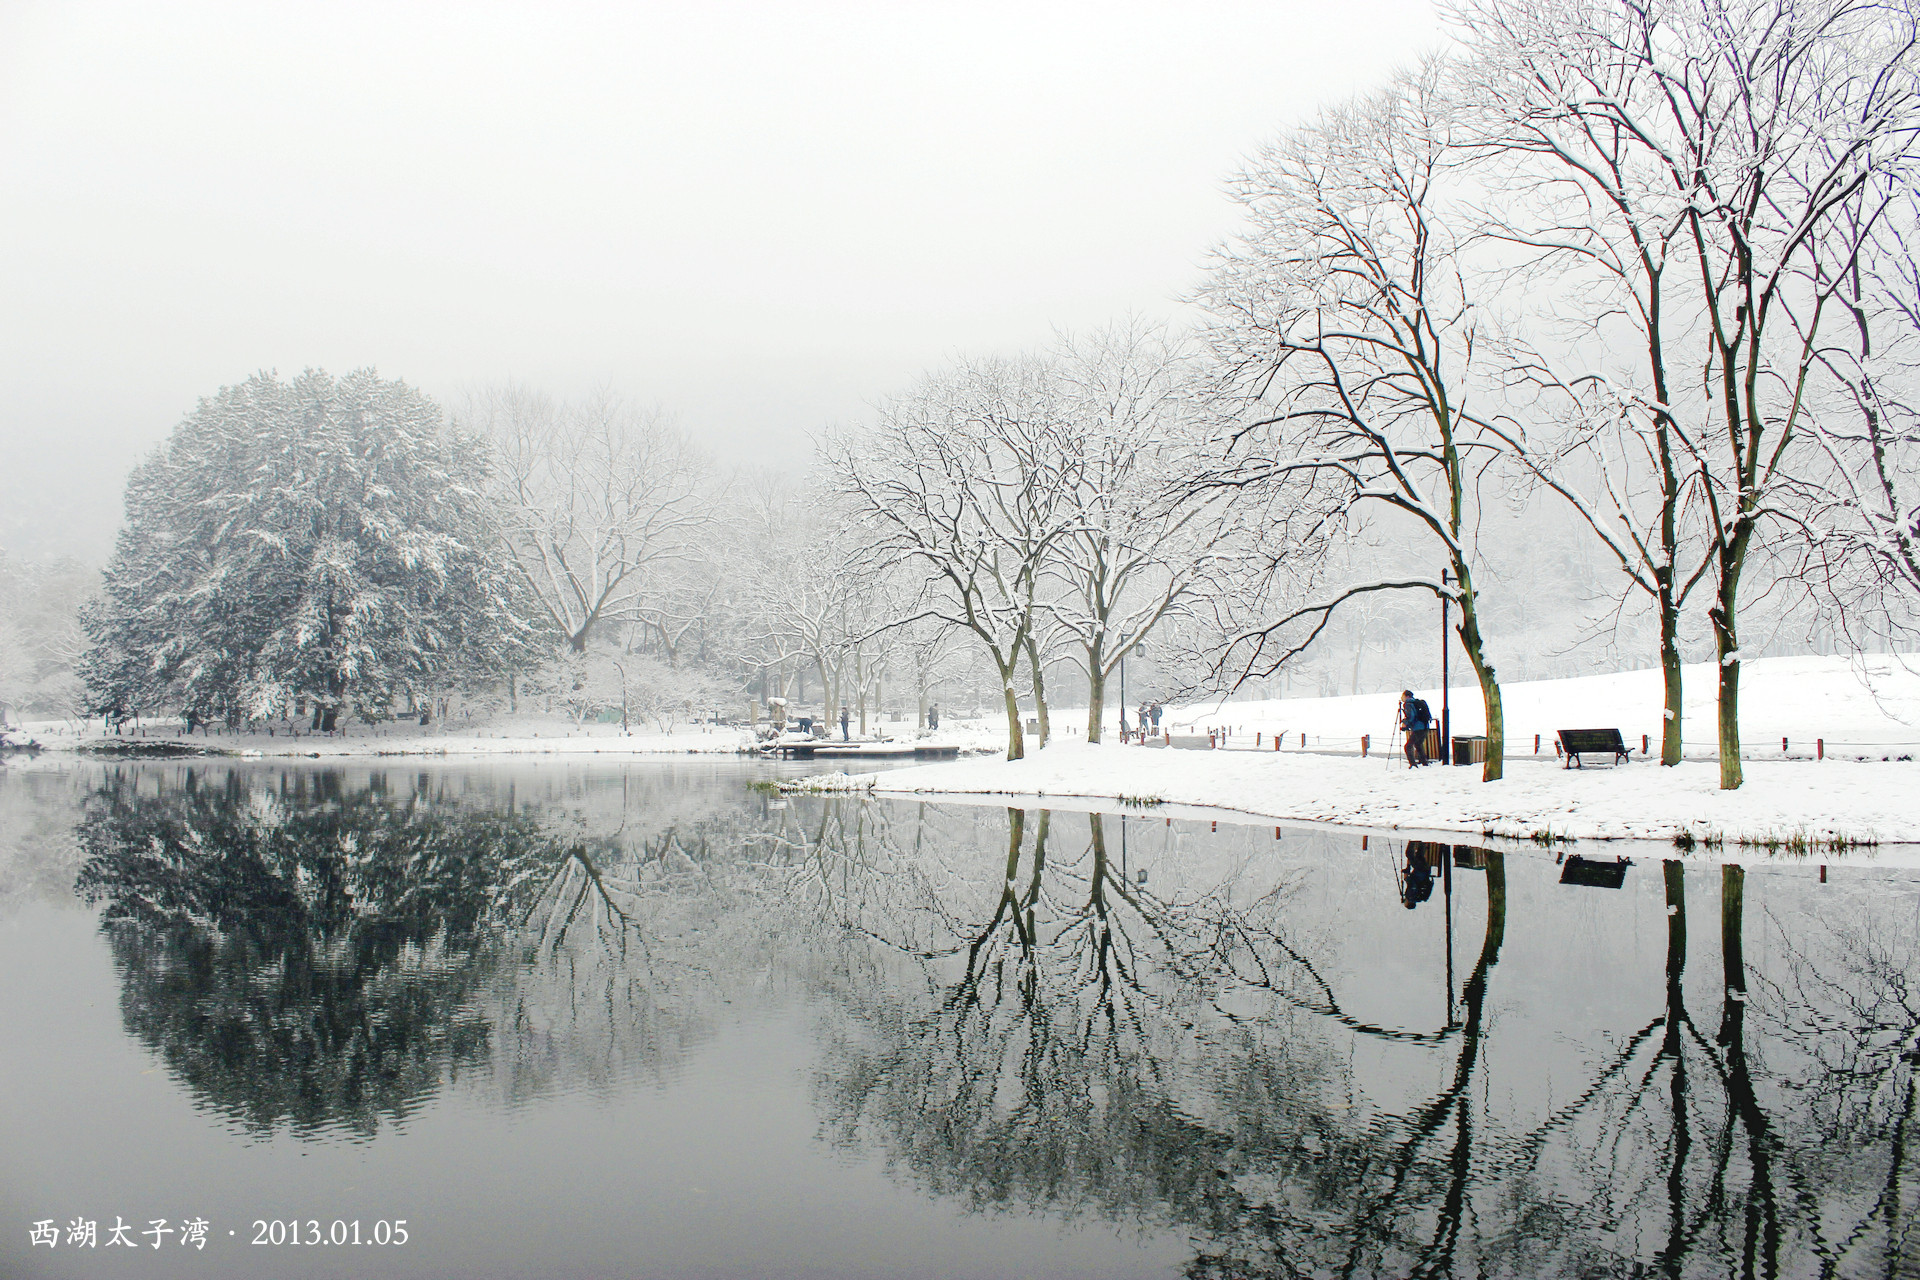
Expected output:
(1065, 1039)
(322, 954)
(1018, 1020)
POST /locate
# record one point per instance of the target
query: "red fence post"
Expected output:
(1363, 745)
(1536, 744)
(1820, 748)
(1645, 745)
(1783, 746)
(1303, 741)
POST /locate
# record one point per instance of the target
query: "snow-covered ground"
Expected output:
(1868, 709)
(1783, 801)
(1786, 799)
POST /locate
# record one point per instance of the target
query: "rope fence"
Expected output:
(1545, 745)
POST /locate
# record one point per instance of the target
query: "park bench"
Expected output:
(1594, 873)
(1577, 742)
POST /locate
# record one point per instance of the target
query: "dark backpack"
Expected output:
(1422, 714)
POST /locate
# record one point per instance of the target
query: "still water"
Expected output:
(566, 1020)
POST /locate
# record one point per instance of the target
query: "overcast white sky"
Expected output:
(760, 216)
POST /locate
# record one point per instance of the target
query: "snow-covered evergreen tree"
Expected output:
(324, 539)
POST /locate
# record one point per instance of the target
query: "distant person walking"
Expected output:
(844, 719)
(1154, 711)
(933, 716)
(1416, 717)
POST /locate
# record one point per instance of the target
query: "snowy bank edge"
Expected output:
(1826, 839)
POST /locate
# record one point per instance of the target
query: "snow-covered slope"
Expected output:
(1868, 706)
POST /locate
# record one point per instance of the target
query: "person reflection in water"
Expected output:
(1416, 875)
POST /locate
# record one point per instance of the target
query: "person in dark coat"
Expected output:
(1416, 718)
(1416, 877)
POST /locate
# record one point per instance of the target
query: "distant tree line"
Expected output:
(40, 637)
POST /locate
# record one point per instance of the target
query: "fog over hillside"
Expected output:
(759, 217)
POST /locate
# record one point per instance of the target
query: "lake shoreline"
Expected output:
(1802, 808)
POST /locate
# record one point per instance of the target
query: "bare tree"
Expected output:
(1863, 511)
(1345, 311)
(821, 599)
(1765, 120)
(930, 650)
(1584, 188)
(1143, 545)
(596, 495)
(963, 478)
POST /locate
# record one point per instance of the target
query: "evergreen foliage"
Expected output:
(321, 538)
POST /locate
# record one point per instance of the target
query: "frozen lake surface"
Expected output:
(589, 1019)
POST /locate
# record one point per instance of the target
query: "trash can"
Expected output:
(1469, 750)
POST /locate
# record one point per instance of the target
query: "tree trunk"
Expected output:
(1039, 692)
(1676, 878)
(1097, 877)
(1096, 696)
(1016, 740)
(1672, 1048)
(860, 695)
(1475, 649)
(1763, 1214)
(1009, 889)
(1039, 869)
(1474, 993)
(1733, 892)
(1727, 648)
(1670, 732)
(1359, 652)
